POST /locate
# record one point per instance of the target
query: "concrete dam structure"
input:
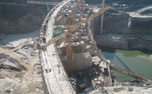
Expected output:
(71, 60)
(63, 57)
(125, 30)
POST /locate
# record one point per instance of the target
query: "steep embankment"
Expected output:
(21, 18)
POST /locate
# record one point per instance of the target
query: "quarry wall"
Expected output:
(18, 16)
(21, 18)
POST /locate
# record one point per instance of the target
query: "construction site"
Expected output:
(64, 56)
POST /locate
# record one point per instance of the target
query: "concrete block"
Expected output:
(81, 61)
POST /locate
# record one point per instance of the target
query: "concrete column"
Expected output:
(102, 16)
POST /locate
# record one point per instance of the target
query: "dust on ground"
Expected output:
(20, 70)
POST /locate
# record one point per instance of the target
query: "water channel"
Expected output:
(132, 60)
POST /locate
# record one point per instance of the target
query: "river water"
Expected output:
(131, 60)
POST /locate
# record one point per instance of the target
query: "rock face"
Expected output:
(12, 72)
(21, 18)
(17, 16)
(25, 85)
(6, 62)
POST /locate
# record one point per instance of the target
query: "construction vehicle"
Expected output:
(57, 33)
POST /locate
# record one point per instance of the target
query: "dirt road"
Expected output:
(16, 56)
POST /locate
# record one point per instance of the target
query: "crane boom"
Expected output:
(102, 10)
(69, 51)
(77, 26)
(131, 74)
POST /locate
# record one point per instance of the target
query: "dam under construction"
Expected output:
(64, 56)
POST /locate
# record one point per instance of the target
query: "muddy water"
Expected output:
(134, 61)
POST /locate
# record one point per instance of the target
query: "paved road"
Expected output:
(138, 15)
(54, 74)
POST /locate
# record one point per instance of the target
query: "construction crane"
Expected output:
(71, 28)
(68, 39)
(47, 5)
(131, 74)
(42, 2)
(77, 26)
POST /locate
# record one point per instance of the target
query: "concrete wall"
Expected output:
(80, 61)
(116, 22)
(122, 31)
(141, 26)
(139, 42)
(113, 41)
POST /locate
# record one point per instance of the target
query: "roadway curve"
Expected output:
(54, 75)
(137, 13)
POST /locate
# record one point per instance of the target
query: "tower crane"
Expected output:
(72, 28)
(77, 26)
(68, 39)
